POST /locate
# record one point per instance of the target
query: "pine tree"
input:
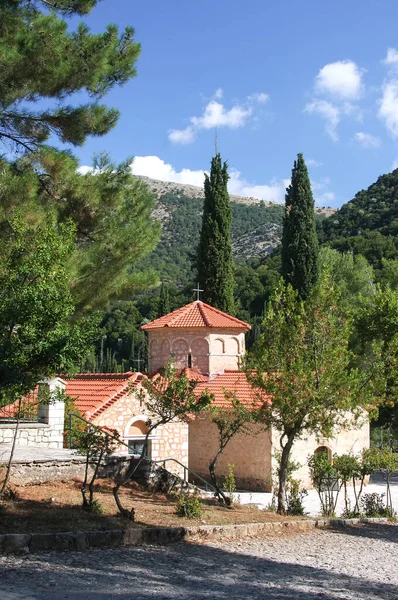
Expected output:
(214, 257)
(164, 300)
(42, 59)
(45, 62)
(299, 239)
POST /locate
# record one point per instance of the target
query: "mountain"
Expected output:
(367, 224)
(162, 188)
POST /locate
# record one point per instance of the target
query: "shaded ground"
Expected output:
(354, 564)
(57, 507)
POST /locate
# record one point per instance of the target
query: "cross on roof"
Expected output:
(197, 290)
(139, 361)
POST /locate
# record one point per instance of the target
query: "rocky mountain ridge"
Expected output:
(160, 188)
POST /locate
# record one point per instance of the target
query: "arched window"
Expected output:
(134, 434)
(324, 450)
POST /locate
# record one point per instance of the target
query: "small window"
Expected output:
(136, 447)
(189, 361)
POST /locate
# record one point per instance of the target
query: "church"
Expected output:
(209, 346)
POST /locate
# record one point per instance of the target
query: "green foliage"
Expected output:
(43, 59)
(189, 506)
(303, 362)
(164, 300)
(299, 238)
(295, 498)
(95, 443)
(233, 418)
(37, 338)
(373, 505)
(326, 482)
(229, 484)
(214, 258)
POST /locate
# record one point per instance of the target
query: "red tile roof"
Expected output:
(230, 381)
(197, 314)
(95, 392)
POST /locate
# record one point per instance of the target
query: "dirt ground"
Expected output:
(57, 506)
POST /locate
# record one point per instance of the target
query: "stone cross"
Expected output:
(197, 290)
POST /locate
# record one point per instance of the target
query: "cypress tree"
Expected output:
(164, 300)
(214, 257)
(299, 239)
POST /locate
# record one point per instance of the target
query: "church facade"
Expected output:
(209, 346)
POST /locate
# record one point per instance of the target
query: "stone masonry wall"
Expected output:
(353, 439)
(30, 434)
(211, 350)
(169, 441)
(251, 455)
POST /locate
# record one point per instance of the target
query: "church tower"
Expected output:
(196, 336)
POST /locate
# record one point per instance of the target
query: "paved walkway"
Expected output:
(354, 564)
(31, 454)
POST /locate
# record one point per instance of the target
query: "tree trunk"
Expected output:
(283, 469)
(212, 470)
(14, 441)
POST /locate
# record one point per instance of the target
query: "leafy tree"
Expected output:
(42, 59)
(214, 257)
(169, 396)
(230, 420)
(37, 335)
(299, 238)
(303, 364)
(44, 64)
(95, 444)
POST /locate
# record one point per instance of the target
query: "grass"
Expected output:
(56, 507)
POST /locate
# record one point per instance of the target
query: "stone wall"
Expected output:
(353, 439)
(251, 455)
(30, 434)
(211, 350)
(168, 441)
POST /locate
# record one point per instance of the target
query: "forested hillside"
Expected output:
(368, 224)
(256, 231)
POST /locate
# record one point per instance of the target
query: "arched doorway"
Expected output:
(325, 451)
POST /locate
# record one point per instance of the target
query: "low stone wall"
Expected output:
(41, 435)
(13, 543)
(150, 476)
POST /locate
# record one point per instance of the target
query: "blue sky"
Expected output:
(318, 77)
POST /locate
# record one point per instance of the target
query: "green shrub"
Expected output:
(230, 482)
(294, 498)
(373, 505)
(190, 506)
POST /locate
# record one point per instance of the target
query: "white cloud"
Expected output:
(156, 168)
(182, 136)
(259, 97)
(394, 165)
(215, 114)
(392, 57)
(342, 79)
(274, 191)
(367, 140)
(388, 110)
(311, 162)
(327, 111)
(84, 169)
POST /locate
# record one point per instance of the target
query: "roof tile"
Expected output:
(197, 314)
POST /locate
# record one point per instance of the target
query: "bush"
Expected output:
(294, 498)
(190, 506)
(373, 505)
(230, 482)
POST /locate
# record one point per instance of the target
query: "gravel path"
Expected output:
(358, 563)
